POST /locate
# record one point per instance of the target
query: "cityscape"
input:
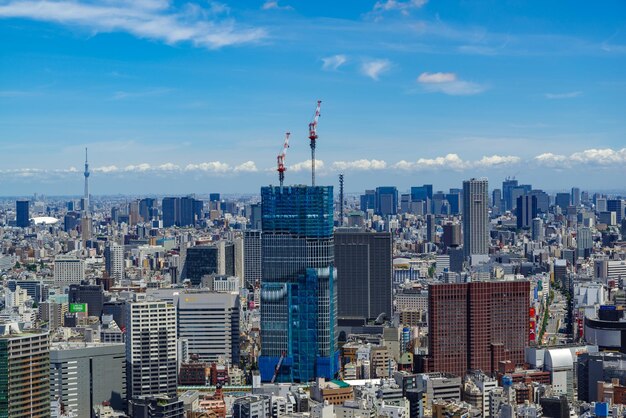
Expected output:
(318, 269)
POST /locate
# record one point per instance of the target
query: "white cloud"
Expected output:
(247, 167)
(403, 6)
(212, 166)
(273, 5)
(455, 162)
(168, 167)
(138, 168)
(429, 78)
(333, 62)
(151, 19)
(602, 157)
(374, 68)
(306, 165)
(106, 169)
(359, 165)
(448, 83)
(570, 95)
(496, 160)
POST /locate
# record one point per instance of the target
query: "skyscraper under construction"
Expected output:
(299, 288)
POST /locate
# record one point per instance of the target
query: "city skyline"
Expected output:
(184, 98)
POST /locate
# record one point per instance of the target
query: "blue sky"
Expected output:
(181, 97)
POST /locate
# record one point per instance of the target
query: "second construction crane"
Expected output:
(281, 159)
(313, 137)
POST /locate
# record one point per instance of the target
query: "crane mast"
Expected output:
(281, 160)
(313, 137)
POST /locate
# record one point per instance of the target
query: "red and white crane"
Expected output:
(313, 137)
(281, 159)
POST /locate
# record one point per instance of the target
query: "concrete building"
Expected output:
(68, 270)
(86, 374)
(474, 326)
(160, 406)
(114, 261)
(151, 348)
(363, 261)
(24, 373)
(252, 257)
(252, 406)
(209, 321)
(475, 217)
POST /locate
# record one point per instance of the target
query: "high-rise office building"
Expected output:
(68, 270)
(299, 288)
(584, 242)
(617, 206)
(209, 321)
(114, 261)
(562, 200)
(526, 211)
(543, 200)
(475, 217)
(496, 199)
(151, 348)
(22, 215)
(455, 203)
(507, 193)
(386, 200)
(205, 260)
(83, 375)
(91, 294)
(431, 228)
(170, 207)
(24, 372)
(252, 257)
(474, 326)
(363, 261)
(575, 196)
(423, 193)
(451, 235)
(537, 230)
(147, 208)
(368, 200)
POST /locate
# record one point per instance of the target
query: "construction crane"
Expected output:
(280, 363)
(281, 160)
(313, 137)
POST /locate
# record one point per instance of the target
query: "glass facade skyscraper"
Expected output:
(299, 288)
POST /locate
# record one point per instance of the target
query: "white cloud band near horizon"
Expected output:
(596, 158)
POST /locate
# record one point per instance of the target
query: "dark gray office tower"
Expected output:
(526, 211)
(451, 235)
(496, 199)
(617, 206)
(70, 221)
(214, 197)
(454, 200)
(190, 211)
(91, 294)
(543, 200)
(170, 207)
(117, 309)
(147, 208)
(598, 367)
(507, 192)
(475, 217)
(575, 196)
(386, 200)
(209, 259)
(363, 261)
(423, 193)
(368, 200)
(562, 200)
(22, 215)
(252, 257)
(431, 228)
(254, 217)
